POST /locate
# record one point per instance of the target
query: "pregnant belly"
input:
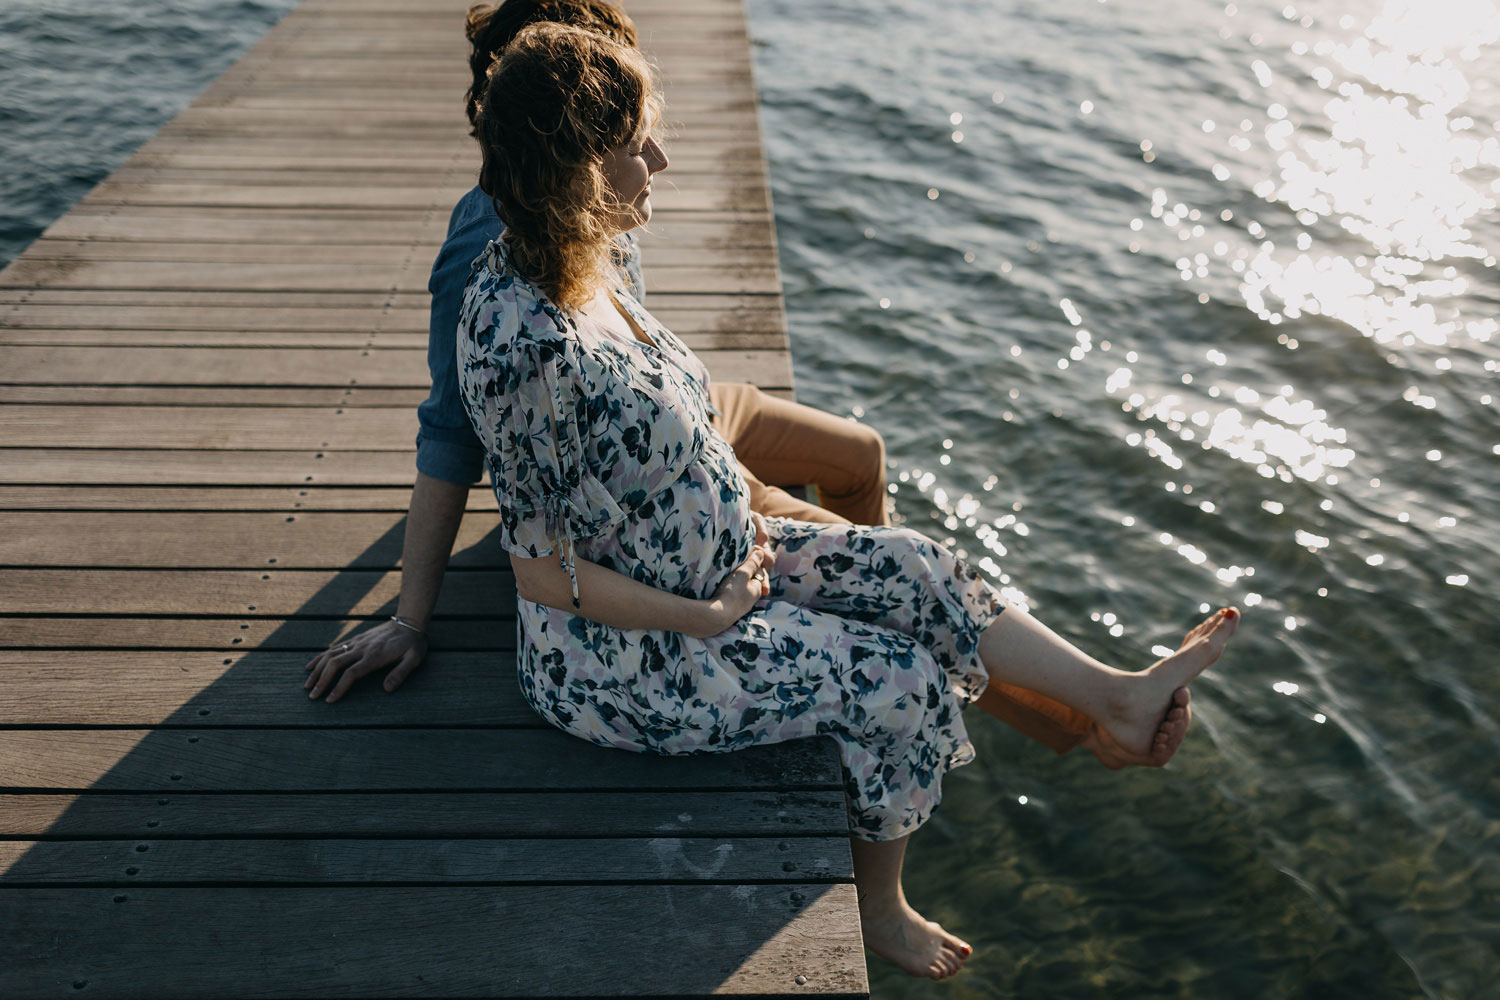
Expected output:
(689, 537)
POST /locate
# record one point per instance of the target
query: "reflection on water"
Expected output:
(1163, 307)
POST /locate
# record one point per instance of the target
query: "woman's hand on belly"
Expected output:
(738, 594)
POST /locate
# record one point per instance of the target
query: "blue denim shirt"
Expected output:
(447, 447)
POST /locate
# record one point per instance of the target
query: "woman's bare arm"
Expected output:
(437, 510)
(614, 599)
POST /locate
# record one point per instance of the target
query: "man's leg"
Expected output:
(788, 444)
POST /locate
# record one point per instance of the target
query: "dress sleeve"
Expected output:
(529, 402)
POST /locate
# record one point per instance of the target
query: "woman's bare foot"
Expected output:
(1143, 699)
(920, 946)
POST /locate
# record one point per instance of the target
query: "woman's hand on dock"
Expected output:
(339, 666)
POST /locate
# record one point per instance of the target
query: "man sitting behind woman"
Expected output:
(609, 471)
(777, 443)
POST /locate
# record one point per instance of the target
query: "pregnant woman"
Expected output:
(596, 424)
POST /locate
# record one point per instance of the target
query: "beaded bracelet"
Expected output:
(406, 624)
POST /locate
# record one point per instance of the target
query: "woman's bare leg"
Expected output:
(892, 929)
(1018, 649)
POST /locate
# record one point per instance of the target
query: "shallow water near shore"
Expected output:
(1160, 308)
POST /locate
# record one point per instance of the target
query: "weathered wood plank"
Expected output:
(203, 427)
(677, 252)
(134, 466)
(307, 760)
(374, 303)
(782, 940)
(252, 593)
(712, 340)
(306, 635)
(310, 174)
(93, 496)
(428, 861)
(685, 314)
(723, 813)
(99, 397)
(224, 320)
(255, 688)
(236, 365)
(183, 539)
(74, 272)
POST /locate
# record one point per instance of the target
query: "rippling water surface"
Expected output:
(1163, 306)
(83, 83)
(1160, 306)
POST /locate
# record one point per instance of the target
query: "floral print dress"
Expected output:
(603, 450)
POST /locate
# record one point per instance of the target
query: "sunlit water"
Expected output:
(1160, 306)
(1164, 306)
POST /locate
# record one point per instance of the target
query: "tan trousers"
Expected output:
(779, 443)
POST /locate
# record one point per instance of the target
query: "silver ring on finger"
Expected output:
(344, 648)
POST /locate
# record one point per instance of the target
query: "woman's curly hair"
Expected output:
(559, 99)
(490, 27)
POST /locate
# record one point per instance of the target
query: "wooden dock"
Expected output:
(208, 375)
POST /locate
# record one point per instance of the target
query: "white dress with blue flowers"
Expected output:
(603, 450)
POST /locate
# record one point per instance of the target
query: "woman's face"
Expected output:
(628, 170)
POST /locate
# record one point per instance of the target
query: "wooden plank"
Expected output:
(804, 940)
(185, 538)
(306, 760)
(677, 252)
(271, 593)
(666, 199)
(317, 299)
(344, 156)
(301, 540)
(683, 313)
(204, 427)
(234, 365)
(712, 340)
(305, 635)
(135, 466)
(412, 91)
(407, 276)
(92, 496)
(23, 336)
(35, 314)
(723, 813)
(99, 397)
(427, 861)
(216, 366)
(249, 688)
(373, 303)
(311, 174)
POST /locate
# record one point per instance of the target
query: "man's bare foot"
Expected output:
(920, 946)
(1141, 704)
(1168, 740)
(1173, 729)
